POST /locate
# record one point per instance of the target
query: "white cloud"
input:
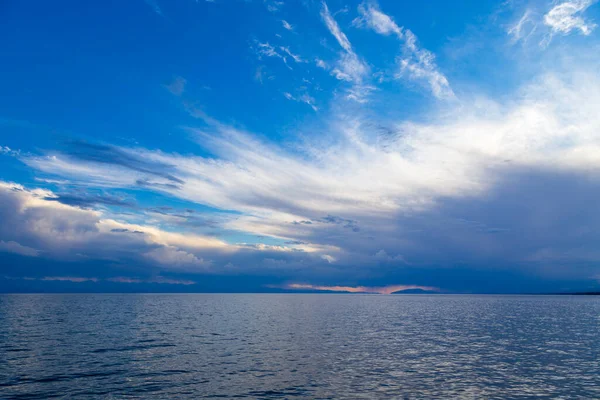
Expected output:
(524, 28)
(334, 28)
(266, 49)
(303, 98)
(564, 17)
(416, 63)
(273, 5)
(174, 257)
(295, 57)
(349, 67)
(373, 18)
(5, 150)
(321, 64)
(287, 25)
(328, 258)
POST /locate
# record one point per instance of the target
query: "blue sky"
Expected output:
(300, 145)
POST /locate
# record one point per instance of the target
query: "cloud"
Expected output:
(91, 200)
(523, 28)
(295, 57)
(87, 243)
(287, 25)
(321, 64)
(63, 231)
(383, 256)
(416, 63)
(356, 196)
(303, 98)
(89, 155)
(74, 279)
(117, 279)
(282, 52)
(563, 18)
(172, 256)
(328, 258)
(360, 289)
(177, 87)
(273, 5)
(334, 28)
(371, 17)
(349, 67)
(415, 164)
(259, 74)
(14, 247)
(155, 7)
(5, 150)
(430, 191)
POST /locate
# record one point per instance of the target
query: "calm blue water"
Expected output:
(289, 346)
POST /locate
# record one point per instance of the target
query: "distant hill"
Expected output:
(415, 291)
(583, 294)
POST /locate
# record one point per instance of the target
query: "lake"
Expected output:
(316, 346)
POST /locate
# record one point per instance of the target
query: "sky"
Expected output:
(299, 146)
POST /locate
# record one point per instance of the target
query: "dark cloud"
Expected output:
(346, 223)
(534, 231)
(123, 230)
(90, 200)
(104, 154)
(146, 183)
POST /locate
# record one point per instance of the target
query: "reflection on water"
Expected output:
(286, 346)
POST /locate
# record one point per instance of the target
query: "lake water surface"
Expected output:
(299, 346)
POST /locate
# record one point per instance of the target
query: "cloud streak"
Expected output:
(349, 67)
(416, 63)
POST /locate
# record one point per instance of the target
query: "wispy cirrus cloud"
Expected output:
(177, 86)
(416, 63)
(544, 24)
(273, 5)
(282, 52)
(524, 27)
(302, 98)
(349, 67)
(286, 25)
